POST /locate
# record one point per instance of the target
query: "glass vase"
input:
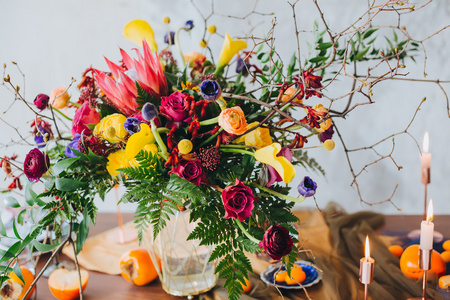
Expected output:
(185, 266)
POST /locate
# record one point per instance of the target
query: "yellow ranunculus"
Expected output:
(260, 137)
(153, 148)
(104, 128)
(117, 160)
(138, 140)
(229, 49)
(268, 155)
(138, 30)
(325, 124)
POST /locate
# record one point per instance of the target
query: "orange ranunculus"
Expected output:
(325, 124)
(59, 98)
(260, 137)
(288, 95)
(192, 57)
(233, 121)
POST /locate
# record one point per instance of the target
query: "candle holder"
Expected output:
(366, 267)
(425, 265)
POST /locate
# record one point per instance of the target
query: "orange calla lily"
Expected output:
(138, 140)
(268, 155)
(229, 49)
(138, 30)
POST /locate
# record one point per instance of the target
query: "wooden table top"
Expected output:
(102, 286)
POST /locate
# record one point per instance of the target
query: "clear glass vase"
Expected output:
(185, 270)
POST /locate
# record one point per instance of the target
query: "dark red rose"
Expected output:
(190, 170)
(276, 242)
(174, 107)
(36, 164)
(41, 101)
(83, 117)
(238, 201)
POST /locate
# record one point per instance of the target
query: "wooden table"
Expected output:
(102, 286)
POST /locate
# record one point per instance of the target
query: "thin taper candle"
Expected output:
(427, 230)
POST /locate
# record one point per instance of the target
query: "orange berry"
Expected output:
(297, 275)
(247, 287)
(281, 276)
(396, 250)
(137, 267)
(64, 284)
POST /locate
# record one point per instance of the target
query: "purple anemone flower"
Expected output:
(132, 125)
(39, 139)
(189, 25)
(72, 145)
(210, 90)
(149, 111)
(307, 187)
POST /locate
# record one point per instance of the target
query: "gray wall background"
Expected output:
(54, 41)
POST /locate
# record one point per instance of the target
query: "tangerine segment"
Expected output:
(28, 277)
(137, 267)
(64, 284)
(297, 276)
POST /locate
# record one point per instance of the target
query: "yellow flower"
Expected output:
(138, 30)
(190, 86)
(212, 29)
(138, 140)
(111, 128)
(166, 20)
(203, 44)
(268, 155)
(229, 49)
(59, 99)
(185, 146)
(117, 160)
(260, 137)
(329, 145)
(325, 124)
(149, 148)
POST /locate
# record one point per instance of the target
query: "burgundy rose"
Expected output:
(272, 173)
(84, 116)
(41, 101)
(191, 170)
(36, 164)
(238, 201)
(174, 107)
(276, 242)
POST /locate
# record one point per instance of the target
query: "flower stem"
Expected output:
(211, 137)
(238, 146)
(236, 151)
(159, 140)
(177, 42)
(246, 233)
(62, 114)
(163, 130)
(285, 197)
(210, 121)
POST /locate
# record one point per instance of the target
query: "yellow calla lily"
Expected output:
(229, 49)
(138, 140)
(117, 160)
(111, 128)
(268, 155)
(138, 30)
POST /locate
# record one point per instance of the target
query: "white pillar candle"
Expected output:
(366, 266)
(427, 230)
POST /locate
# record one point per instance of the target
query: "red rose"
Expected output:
(174, 107)
(41, 101)
(36, 164)
(190, 170)
(238, 201)
(276, 242)
(84, 116)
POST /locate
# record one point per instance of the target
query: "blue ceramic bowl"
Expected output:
(313, 275)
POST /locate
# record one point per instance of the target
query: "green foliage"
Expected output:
(309, 163)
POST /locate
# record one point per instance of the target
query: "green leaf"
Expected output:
(18, 272)
(63, 165)
(2, 227)
(20, 216)
(68, 185)
(395, 36)
(11, 252)
(361, 54)
(16, 232)
(369, 32)
(44, 247)
(83, 231)
(11, 202)
(30, 195)
(324, 46)
(318, 59)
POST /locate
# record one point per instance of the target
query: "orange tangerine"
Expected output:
(396, 250)
(297, 276)
(281, 276)
(137, 267)
(247, 287)
(64, 284)
(409, 262)
(15, 288)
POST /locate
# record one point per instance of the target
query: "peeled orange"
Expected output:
(15, 288)
(137, 267)
(409, 262)
(297, 275)
(64, 284)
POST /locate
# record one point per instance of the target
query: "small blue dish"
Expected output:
(313, 275)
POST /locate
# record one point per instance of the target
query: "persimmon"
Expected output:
(137, 267)
(64, 284)
(15, 288)
(297, 275)
(409, 262)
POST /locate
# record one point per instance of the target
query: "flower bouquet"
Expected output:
(186, 136)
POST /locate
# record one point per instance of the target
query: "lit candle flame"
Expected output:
(426, 142)
(367, 249)
(430, 211)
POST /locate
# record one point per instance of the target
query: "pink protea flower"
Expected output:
(121, 88)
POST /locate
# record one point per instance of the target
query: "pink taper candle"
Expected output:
(427, 230)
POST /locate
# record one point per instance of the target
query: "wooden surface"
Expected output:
(102, 286)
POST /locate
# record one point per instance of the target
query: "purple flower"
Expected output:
(39, 138)
(210, 90)
(72, 145)
(190, 170)
(307, 187)
(35, 165)
(273, 175)
(238, 201)
(242, 66)
(132, 125)
(169, 38)
(41, 101)
(149, 111)
(276, 242)
(189, 25)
